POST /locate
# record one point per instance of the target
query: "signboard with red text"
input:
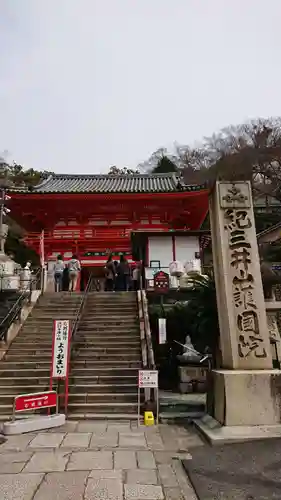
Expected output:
(35, 401)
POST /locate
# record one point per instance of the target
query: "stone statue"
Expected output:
(3, 237)
(26, 276)
(8, 279)
(189, 354)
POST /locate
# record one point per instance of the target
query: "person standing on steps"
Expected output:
(124, 273)
(117, 277)
(110, 274)
(74, 268)
(58, 273)
(136, 277)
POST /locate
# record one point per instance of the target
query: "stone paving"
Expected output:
(90, 460)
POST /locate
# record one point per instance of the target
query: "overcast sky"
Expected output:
(86, 84)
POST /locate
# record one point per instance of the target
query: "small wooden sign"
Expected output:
(161, 281)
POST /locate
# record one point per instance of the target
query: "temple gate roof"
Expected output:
(137, 183)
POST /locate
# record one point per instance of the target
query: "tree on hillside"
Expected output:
(122, 171)
(251, 151)
(160, 162)
(15, 176)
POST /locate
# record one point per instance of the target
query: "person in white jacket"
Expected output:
(74, 268)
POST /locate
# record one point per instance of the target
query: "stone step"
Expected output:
(112, 296)
(38, 355)
(45, 321)
(25, 381)
(113, 371)
(31, 348)
(113, 328)
(6, 409)
(12, 365)
(75, 398)
(52, 316)
(108, 358)
(25, 372)
(36, 338)
(91, 352)
(55, 307)
(109, 321)
(102, 408)
(93, 341)
(110, 299)
(110, 304)
(11, 392)
(77, 343)
(110, 351)
(45, 333)
(91, 388)
(127, 308)
(98, 363)
(114, 417)
(36, 327)
(101, 343)
(107, 380)
(116, 330)
(109, 338)
(97, 318)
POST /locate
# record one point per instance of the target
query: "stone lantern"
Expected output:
(8, 279)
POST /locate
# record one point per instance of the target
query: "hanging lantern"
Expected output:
(176, 268)
(193, 266)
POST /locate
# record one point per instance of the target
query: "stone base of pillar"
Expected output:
(247, 405)
(247, 397)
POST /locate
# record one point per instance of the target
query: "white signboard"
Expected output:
(61, 339)
(148, 378)
(162, 330)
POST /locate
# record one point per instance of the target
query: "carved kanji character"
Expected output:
(243, 285)
(251, 345)
(242, 257)
(247, 321)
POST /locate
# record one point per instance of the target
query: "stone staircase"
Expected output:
(25, 367)
(106, 357)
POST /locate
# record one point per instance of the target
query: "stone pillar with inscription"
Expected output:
(246, 389)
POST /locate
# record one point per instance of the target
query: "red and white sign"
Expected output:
(35, 401)
(60, 350)
(148, 378)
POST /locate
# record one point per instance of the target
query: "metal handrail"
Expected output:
(13, 313)
(148, 355)
(149, 345)
(74, 328)
(81, 307)
(142, 331)
(146, 340)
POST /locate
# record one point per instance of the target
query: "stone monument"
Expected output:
(246, 388)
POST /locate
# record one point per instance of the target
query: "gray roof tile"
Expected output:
(139, 183)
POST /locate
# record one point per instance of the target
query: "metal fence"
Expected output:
(23, 297)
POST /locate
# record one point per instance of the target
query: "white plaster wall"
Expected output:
(160, 248)
(186, 246)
